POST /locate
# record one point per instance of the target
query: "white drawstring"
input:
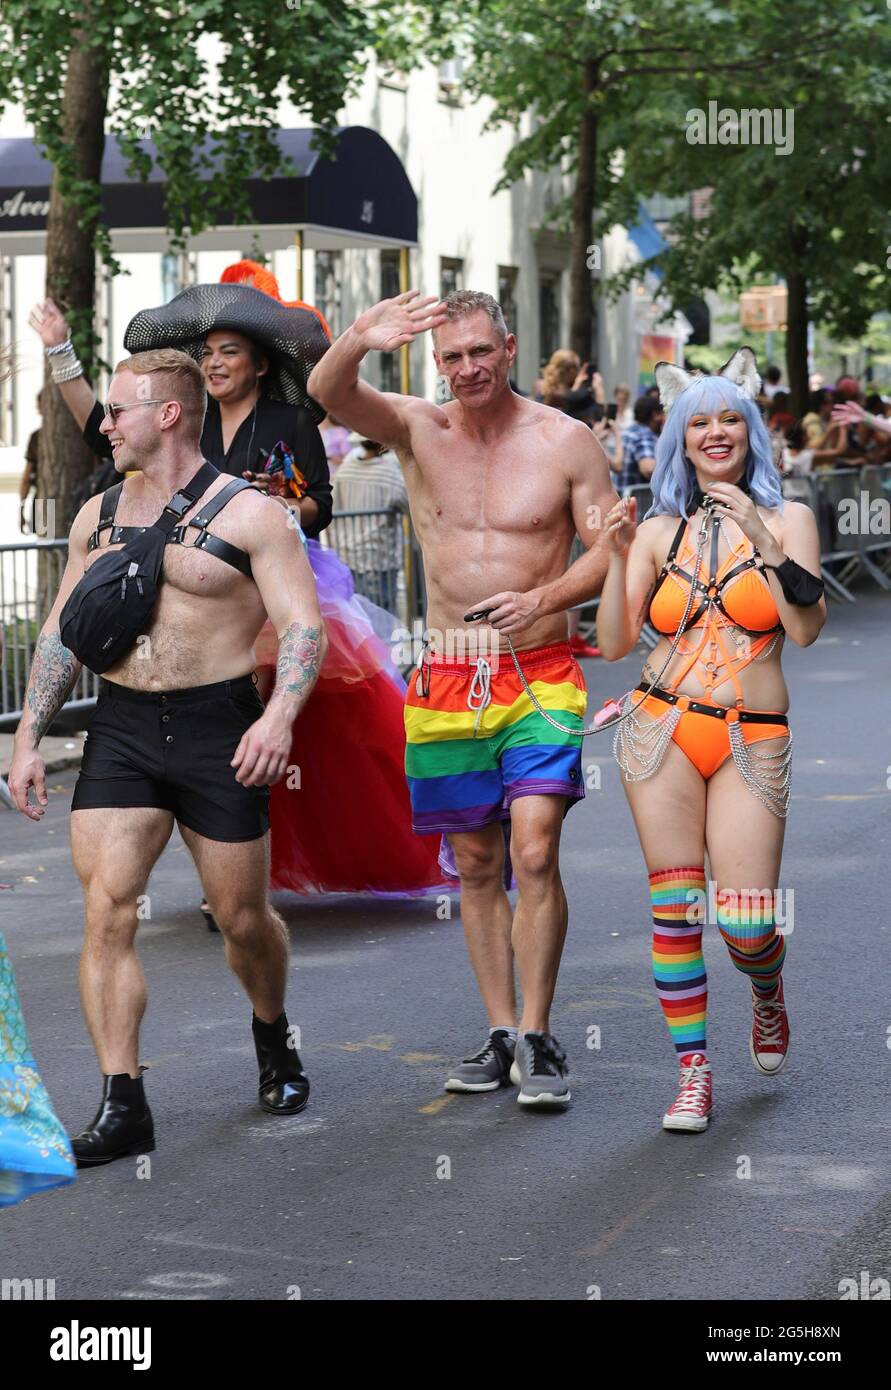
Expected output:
(480, 689)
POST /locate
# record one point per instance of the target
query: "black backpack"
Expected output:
(111, 606)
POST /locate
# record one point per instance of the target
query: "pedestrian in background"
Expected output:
(639, 443)
(336, 439)
(370, 479)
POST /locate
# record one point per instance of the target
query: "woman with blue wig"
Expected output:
(723, 570)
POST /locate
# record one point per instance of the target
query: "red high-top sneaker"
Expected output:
(693, 1106)
(769, 1043)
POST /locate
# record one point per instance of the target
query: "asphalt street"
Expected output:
(388, 1188)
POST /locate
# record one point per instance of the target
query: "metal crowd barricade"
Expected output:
(852, 507)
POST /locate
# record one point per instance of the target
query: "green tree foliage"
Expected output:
(201, 79)
(818, 216)
(608, 85)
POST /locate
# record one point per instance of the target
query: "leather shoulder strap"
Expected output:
(678, 537)
(107, 509)
(215, 545)
(216, 504)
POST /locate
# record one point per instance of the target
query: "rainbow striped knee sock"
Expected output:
(746, 922)
(678, 914)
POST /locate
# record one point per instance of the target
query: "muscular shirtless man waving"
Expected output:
(498, 486)
(178, 733)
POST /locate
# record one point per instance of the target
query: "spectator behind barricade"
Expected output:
(639, 443)
(818, 418)
(336, 439)
(101, 476)
(779, 417)
(771, 384)
(871, 425)
(370, 479)
(847, 391)
(798, 460)
(562, 373)
(878, 441)
(28, 484)
(624, 408)
(604, 425)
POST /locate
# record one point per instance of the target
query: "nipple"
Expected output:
(536, 520)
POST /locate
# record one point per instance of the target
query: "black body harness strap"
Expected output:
(175, 509)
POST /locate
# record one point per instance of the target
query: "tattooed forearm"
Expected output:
(53, 672)
(299, 652)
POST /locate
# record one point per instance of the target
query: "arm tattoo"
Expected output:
(298, 661)
(53, 672)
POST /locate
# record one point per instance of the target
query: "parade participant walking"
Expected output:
(179, 732)
(723, 570)
(498, 486)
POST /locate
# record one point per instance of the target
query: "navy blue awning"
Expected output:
(361, 197)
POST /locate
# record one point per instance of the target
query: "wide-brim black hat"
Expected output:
(292, 339)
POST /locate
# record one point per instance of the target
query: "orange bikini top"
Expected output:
(735, 606)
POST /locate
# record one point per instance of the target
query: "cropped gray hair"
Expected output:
(461, 302)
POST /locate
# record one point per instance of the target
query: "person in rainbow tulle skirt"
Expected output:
(341, 819)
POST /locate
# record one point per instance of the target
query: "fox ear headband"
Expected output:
(740, 369)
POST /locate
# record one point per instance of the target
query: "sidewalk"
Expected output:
(57, 753)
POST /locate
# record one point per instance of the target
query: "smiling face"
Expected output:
(135, 433)
(717, 445)
(229, 367)
(474, 359)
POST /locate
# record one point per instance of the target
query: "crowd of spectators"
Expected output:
(843, 426)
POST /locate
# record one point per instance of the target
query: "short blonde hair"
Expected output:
(178, 375)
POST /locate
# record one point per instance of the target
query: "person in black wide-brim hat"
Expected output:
(255, 354)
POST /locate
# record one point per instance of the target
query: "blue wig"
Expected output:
(674, 482)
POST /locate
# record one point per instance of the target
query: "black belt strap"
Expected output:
(746, 716)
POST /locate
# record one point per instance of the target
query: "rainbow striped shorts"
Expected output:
(475, 741)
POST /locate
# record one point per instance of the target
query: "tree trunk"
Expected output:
(796, 328)
(63, 459)
(581, 274)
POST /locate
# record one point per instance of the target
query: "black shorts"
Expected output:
(172, 749)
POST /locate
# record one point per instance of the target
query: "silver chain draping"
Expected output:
(768, 776)
(645, 743)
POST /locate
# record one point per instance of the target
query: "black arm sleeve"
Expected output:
(309, 454)
(93, 436)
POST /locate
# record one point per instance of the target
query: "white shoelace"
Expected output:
(694, 1092)
(769, 1021)
(480, 690)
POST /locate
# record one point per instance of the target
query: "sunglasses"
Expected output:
(112, 410)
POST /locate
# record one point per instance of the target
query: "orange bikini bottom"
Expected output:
(703, 730)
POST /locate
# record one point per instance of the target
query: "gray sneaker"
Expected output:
(540, 1070)
(487, 1069)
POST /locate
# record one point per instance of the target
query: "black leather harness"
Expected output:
(214, 545)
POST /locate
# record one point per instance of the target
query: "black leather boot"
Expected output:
(284, 1086)
(123, 1124)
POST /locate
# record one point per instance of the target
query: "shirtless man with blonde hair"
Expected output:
(179, 733)
(498, 487)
